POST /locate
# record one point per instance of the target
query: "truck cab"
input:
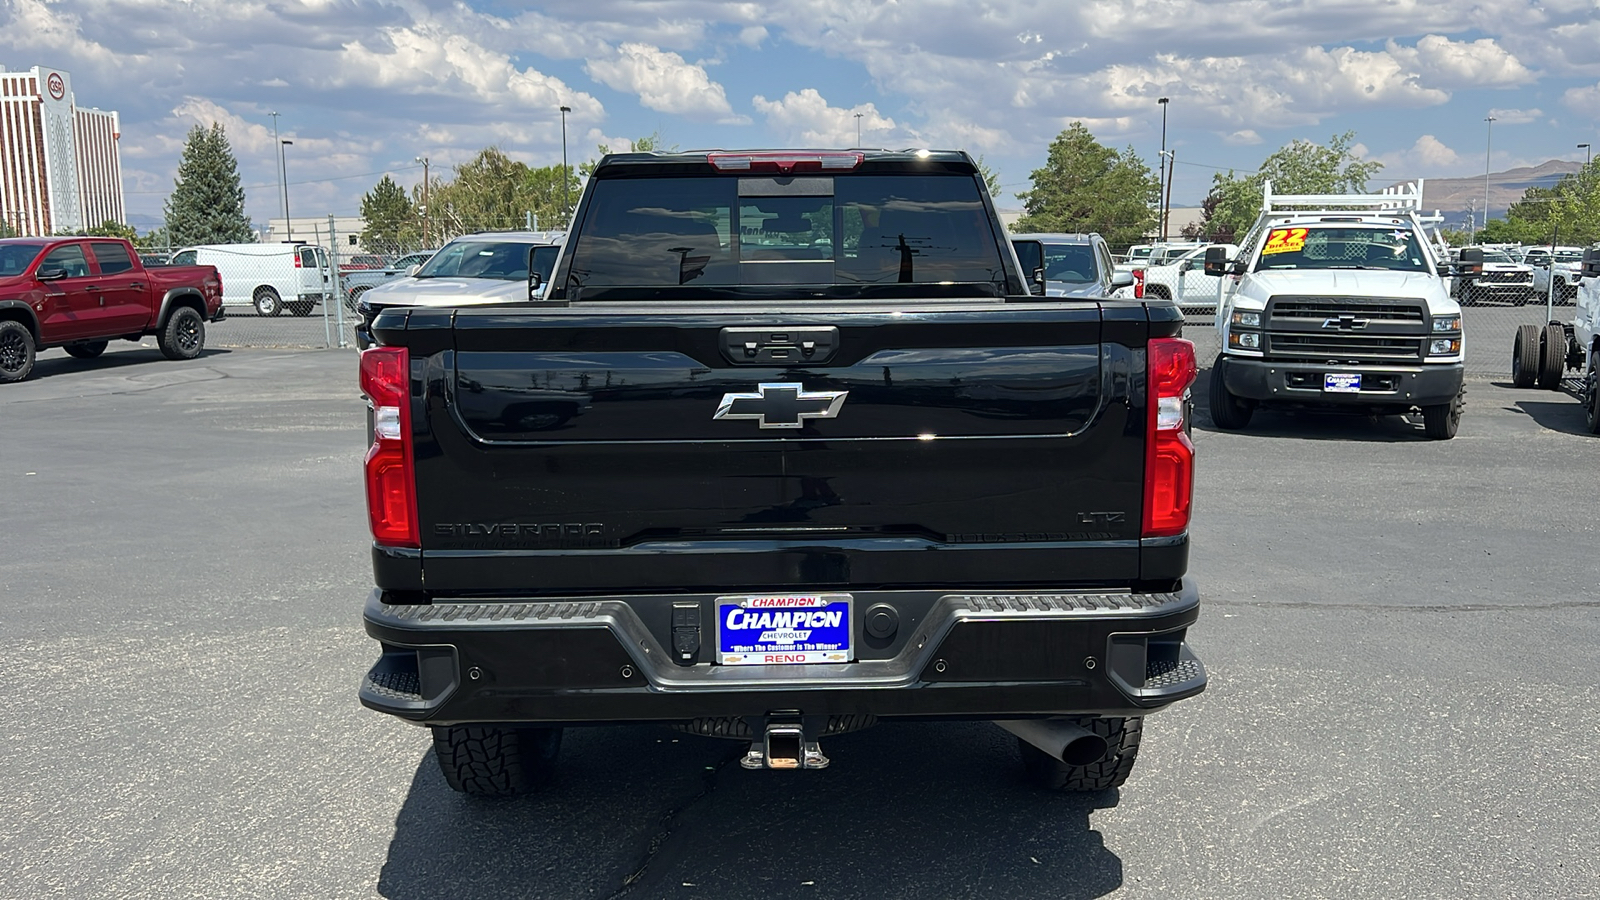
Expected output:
(1338, 302)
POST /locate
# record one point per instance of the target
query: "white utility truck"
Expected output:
(1338, 302)
(1542, 356)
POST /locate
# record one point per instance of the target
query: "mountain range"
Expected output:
(1457, 197)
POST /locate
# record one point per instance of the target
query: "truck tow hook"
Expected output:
(784, 746)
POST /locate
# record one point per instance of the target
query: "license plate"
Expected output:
(1341, 383)
(783, 629)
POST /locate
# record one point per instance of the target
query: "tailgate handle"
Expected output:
(780, 345)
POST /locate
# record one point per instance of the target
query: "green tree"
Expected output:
(549, 197)
(207, 201)
(113, 228)
(991, 179)
(488, 192)
(1087, 186)
(651, 141)
(1567, 213)
(1299, 167)
(389, 215)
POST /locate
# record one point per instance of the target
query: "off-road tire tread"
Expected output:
(31, 352)
(1122, 751)
(491, 761)
(1591, 397)
(1552, 358)
(1525, 357)
(167, 338)
(1227, 412)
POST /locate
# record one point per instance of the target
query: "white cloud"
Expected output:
(1432, 152)
(753, 36)
(1481, 63)
(805, 119)
(1515, 116)
(664, 82)
(1243, 138)
(1585, 100)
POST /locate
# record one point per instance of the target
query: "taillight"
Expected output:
(786, 160)
(297, 263)
(391, 485)
(1169, 454)
(1138, 284)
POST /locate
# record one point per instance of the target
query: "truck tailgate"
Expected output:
(572, 451)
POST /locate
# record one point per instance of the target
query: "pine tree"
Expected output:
(207, 202)
(390, 217)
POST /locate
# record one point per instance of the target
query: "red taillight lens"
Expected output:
(1169, 454)
(391, 484)
(1138, 284)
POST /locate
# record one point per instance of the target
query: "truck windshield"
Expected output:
(14, 258)
(1349, 247)
(843, 231)
(1496, 256)
(503, 260)
(1072, 263)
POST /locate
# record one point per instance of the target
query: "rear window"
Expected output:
(857, 230)
(112, 257)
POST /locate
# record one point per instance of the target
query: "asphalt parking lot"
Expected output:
(1402, 637)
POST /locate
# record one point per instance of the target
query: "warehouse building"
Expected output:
(59, 166)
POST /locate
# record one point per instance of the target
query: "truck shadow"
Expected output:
(59, 363)
(906, 810)
(1563, 413)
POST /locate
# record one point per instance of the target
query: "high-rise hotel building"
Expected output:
(59, 167)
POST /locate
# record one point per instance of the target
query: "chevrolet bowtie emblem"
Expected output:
(1345, 323)
(781, 405)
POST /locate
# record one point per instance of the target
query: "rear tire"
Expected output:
(184, 335)
(300, 308)
(1552, 357)
(267, 302)
(86, 350)
(1591, 397)
(16, 351)
(496, 761)
(1230, 413)
(1525, 356)
(1122, 750)
(1441, 421)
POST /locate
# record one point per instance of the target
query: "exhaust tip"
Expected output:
(1085, 750)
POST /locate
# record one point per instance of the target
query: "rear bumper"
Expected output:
(1302, 383)
(972, 656)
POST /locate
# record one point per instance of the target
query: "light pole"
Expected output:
(1488, 145)
(858, 129)
(566, 174)
(283, 189)
(1161, 184)
(283, 173)
(1587, 154)
(424, 161)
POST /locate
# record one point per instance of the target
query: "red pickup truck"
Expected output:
(82, 292)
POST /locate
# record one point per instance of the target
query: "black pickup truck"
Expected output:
(788, 445)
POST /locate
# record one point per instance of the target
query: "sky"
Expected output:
(364, 87)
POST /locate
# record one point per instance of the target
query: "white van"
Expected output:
(268, 277)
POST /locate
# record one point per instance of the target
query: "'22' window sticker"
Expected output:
(1285, 240)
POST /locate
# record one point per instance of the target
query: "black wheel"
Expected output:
(1158, 292)
(1230, 413)
(300, 308)
(1441, 420)
(1122, 749)
(184, 335)
(86, 350)
(1525, 356)
(496, 761)
(1591, 398)
(267, 302)
(16, 351)
(1552, 357)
